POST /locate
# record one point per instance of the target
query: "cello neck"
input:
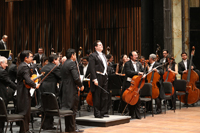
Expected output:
(190, 65)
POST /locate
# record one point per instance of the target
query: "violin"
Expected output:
(169, 77)
(34, 78)
(191, 77)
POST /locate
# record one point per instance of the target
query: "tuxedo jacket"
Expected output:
(4, 83)
(2, 45)
(23, 93)
(70, 80)
(130, 72)
(181, 66)
(81, 70)
(95, 64)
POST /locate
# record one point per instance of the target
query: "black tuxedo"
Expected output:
(23, 94)
(96, 68)
(161, 60)
(134, 110)
(37, 58)
(2, 45)
(4, 83)
(81, 71)
(69, 93)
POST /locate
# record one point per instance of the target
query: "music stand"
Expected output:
(5, 53)
(114, 86)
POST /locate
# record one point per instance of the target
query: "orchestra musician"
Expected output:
(69, 92)
(153, 64)
(132, 68)
(120, 65)
(38, 56)
(50, 85)
(98, 77)
(172, 67)
(5, 81)
(165, 53)
(23, 93)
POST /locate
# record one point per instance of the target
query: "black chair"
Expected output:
(168, 90)
(114, 85)
(180, 85)
(9, 118)
(50, 107)
(146, 92)
(34, 111)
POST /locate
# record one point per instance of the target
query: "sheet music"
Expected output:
(82, 77)
(32, 91)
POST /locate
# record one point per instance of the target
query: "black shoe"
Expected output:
(78, 130)
(98, 116)
(138, 117)
(105, 115)
(158, 111)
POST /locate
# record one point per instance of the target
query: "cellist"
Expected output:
(153, 64)
(171, 66)
(132, 68)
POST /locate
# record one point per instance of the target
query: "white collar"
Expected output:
(2, 40)
(185, 60)
(100, 53)
(134, 62)
(152, 63)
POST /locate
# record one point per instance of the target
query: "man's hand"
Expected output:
(82, 88)
(184, 71)
(37, 87)
(169, 69)
(140, 73)
(96, 82)
(192, 67)
(155, 70)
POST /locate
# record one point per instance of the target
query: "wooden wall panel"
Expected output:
(62, 24)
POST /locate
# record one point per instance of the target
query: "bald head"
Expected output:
(5, 38)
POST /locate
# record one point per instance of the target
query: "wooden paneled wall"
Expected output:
(62, 24)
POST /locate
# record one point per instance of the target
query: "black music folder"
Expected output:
(5, 53)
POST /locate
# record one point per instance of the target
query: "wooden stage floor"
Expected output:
(186, 120)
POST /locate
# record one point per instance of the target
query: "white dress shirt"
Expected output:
(151, 66)
(185, 63)
(85, 69)
(4, 44)
(104, 61)
(134, 65)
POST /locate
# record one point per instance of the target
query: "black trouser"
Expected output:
(134, 110)
(27, 118)
(70, 121)
(100, 97)
(48, 122)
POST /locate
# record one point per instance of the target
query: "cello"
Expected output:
(169, 76)
(191, 77)
(154, 77)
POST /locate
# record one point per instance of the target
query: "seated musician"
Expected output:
(183, 66)
(120, 65)
(172, 67)
(132, 68)
(153, 64)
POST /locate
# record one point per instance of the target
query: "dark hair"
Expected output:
(130, 54)
(95, 43)
(108, 56)
(69, 53)
(53, 57)
(88, 51)
(86, 57)
(24, 54)
(170, 57)
(40, 48)
(43, 59)
(121, 59)
(165, 50)
(142, 57)
(183, 53)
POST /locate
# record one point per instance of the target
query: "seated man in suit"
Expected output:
(38, 56)
(165, 53)
(4, 83)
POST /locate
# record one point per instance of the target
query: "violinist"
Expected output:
(172, 67)
(153, 64)
(23, 93)
(120, 65)
(132, 68)
(50, 85)
(68, 89)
